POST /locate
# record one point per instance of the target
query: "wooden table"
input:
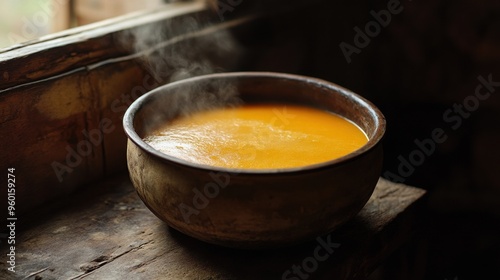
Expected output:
(106, 232)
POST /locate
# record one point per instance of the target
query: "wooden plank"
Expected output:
(79, 47)
(50, 125)
(108, 233)
(62, 100)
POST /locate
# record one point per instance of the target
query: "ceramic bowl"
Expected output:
(252, 208)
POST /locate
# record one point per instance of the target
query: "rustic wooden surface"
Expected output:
(107, 233)
(53, 89)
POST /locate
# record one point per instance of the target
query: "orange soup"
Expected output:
(262, 136)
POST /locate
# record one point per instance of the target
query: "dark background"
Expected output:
(427, 58)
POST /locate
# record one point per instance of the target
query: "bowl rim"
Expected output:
(128, 123)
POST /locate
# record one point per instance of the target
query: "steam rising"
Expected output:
(181, 48)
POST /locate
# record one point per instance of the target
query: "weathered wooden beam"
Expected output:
(75, 48)
(62, 98)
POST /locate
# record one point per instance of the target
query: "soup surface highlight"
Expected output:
(261, 136)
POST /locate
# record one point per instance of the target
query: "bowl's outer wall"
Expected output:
(253, 210)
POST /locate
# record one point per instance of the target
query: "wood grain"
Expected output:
(75, 48)
(57, 91)
(107, 233)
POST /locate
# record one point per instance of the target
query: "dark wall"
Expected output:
(422, 69)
